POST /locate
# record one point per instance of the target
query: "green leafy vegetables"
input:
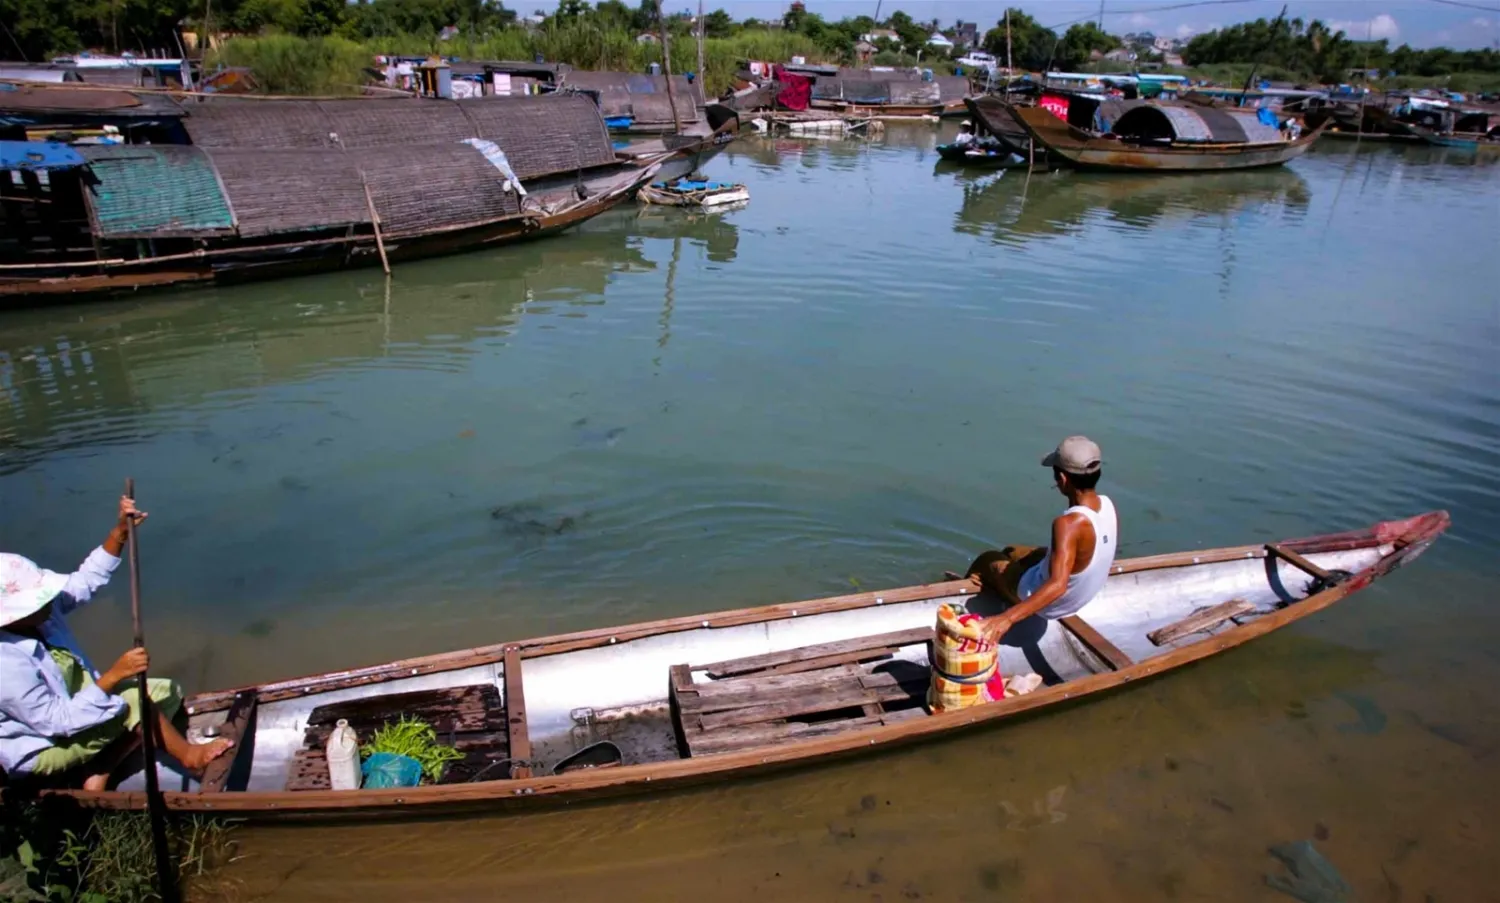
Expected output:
(416, 739)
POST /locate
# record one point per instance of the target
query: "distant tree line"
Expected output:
(1328, 55)
(38, 29)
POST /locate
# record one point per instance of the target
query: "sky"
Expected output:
(1421, 23)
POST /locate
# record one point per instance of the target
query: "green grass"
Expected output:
(284, 64)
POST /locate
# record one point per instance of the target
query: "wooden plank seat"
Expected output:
(471, 719)
(236, 727)
(1201, 620)
(794, 694)
(1097, 642)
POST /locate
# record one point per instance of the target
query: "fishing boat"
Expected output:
(731, 693)
(1488, 142)
(1161, 138)
(694, 193)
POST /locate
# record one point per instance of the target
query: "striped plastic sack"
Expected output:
(965, 666)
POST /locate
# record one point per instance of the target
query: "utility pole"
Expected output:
(1101, 15)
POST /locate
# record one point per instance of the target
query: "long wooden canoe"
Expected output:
(1089, 151)
(725, 694)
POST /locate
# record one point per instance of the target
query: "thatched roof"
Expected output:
(291, 190)
(642, 97)
(540, 135)
(424, 187)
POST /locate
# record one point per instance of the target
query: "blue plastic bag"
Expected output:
(385, 770)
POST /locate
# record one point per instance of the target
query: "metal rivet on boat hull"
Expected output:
(1196, 559)
(879, 601)
(705, 623)
(414, 670)
(794, 612)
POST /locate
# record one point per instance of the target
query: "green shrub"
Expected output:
(285, 64)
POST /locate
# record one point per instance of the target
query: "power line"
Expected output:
(1459, 3)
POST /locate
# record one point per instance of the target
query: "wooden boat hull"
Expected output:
(616, 680)
(1474, 142)
(1085, 151)
(258, 262)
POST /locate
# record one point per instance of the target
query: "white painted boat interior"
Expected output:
(619, 692)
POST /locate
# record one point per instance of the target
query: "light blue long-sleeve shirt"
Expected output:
(35, 707)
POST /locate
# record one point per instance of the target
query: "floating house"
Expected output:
(269, 187)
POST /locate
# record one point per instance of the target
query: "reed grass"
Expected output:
(285, 64)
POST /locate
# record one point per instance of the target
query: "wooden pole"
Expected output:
(666, 59)
(385, 264)
(701, 71)
(156, 805)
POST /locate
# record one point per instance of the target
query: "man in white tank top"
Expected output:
(1057, 581)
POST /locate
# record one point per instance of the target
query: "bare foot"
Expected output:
(200, 754)
(96, 782)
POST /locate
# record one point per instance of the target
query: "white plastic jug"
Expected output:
(343, 757)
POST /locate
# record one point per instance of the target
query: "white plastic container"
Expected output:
(343, 757)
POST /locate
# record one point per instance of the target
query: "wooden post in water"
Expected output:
(385, 264)
(156, 805)
(666, 61)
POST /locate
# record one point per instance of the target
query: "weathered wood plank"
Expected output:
(753, 663)
(830, 699)
(739, 692)
(858, 656)
(449, 710)
(1097, 642)
(750, 736)
(216, 775)
(515, 713)
(1298, 561)
(1200, 620)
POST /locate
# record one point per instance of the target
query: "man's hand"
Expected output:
(129, 514)
(130, 664)
(996, 627)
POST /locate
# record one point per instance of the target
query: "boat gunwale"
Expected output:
(1080, 145)
(1409, 538)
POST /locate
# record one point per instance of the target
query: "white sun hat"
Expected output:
(25, 588)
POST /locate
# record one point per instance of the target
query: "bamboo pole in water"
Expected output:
(666, 60)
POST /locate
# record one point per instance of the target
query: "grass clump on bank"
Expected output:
(287, 64)
(53, 851)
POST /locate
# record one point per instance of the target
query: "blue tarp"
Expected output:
(38, 155)
(1267, 117)
(618, 122)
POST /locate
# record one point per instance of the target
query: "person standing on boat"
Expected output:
(1058, 580)
(56, 711)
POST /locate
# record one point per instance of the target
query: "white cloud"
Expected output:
(1382, 26)
(1139, 20)
(1186, 31)
(1481, 22)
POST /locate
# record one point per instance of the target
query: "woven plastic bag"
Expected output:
(385, 770)
(965, 666)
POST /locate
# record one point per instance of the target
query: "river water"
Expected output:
(845, 385)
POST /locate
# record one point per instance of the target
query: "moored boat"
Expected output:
(1161, 138)
(693, 193)
(719, 695)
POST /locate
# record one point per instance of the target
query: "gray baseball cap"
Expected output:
(1075, 454)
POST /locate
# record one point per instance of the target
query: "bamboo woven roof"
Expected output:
(541, 136)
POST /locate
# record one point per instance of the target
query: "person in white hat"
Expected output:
(56, 711)
(1058, 580)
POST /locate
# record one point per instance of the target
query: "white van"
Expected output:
(977, 59)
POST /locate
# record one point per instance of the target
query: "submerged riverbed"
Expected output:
(845, 385)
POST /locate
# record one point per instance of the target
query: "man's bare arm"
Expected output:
(1066, 532)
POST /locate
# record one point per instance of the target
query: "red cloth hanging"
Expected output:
(796, 90)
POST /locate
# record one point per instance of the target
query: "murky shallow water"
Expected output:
(845, 384)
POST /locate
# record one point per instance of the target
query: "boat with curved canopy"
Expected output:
(1168, 138)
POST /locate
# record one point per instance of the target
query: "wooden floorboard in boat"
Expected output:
(763, 705)
(470, 719)
(876, 646)
(1201, 620)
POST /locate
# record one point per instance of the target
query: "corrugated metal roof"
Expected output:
(37, 155)
(155, 191)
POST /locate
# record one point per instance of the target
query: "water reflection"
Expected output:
(69, 380)
(1009, 207)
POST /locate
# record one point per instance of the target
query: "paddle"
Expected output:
(156, 804)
